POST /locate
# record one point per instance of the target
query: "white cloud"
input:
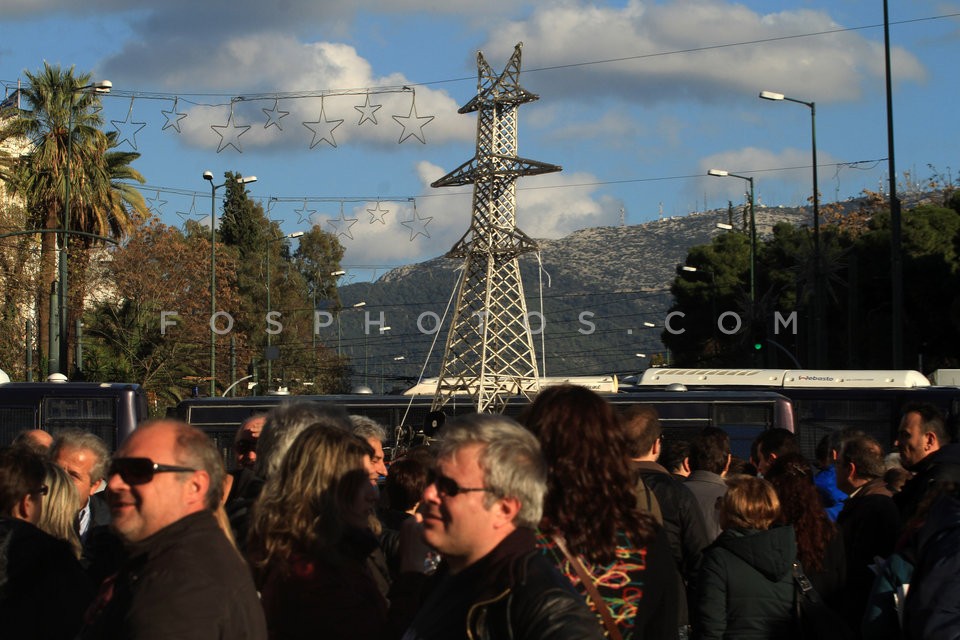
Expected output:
(681, 50)
(549, 206)
(272, 59)
(795, 178)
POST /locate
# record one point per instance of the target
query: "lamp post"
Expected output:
(357, 305)
(753, 229)
(100, 87)
(269, 354)
(896, 223)
(366, 353)
(713, 292)
(817, 293)
(208, 176)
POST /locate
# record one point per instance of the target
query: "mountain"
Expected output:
(599, 287)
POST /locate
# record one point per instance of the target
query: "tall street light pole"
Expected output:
(817, 284)
(99, 87)
(208, 176)
(753, 229)
(896, 258)
(269, 354)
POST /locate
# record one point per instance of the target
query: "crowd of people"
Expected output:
(574, 521)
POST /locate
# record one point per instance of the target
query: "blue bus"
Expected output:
(743, 414)
(111, 410)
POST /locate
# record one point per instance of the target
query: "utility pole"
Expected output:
(489, 350)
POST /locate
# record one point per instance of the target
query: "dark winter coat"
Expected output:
(186, 581)
(746, 585)
(336, 593)
(941, 465)
(869, 523)
(43, 589)
(932, 611)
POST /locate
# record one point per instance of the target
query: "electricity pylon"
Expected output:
(489, 350)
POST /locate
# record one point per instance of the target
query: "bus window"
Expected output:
(110, 410)
(14, 419)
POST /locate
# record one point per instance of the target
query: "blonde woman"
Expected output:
(60, 507)
(310, 538)
(746, 578)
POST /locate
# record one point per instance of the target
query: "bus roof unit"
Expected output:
(787, 378)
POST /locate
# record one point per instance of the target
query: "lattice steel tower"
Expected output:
(489, 349)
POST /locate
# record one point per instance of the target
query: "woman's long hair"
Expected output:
(590, 488)
(60, 507)
(800, 505)
(300, 511)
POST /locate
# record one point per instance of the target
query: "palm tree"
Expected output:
(112, 216)
(63, 128)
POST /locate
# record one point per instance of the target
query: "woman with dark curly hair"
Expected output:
(591, 507)
(819, 545)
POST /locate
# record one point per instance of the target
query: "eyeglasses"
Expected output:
(141, 470)
(243, 447)
(448, 486)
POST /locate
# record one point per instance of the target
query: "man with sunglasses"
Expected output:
(479, 511)
(182, 578)
(43, 589)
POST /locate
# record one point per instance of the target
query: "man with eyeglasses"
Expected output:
(182, 578)
(479, 511)
(43, 589)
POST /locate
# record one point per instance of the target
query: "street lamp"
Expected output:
(208, 176)
(366, 356)
(817, 293)
(269, 354)
(358, 305)
(720, 173)
(713, 290)
(100, 87)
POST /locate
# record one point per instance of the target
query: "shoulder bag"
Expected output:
(587, 580)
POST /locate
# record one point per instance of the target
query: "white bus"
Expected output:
(824, 400)
(788, 378)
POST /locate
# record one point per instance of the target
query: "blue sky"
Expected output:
(638, 100)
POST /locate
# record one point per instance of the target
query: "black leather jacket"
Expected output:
(539, 604)
(515, 594)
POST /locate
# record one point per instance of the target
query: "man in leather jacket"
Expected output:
(181, 578)
(479, 511)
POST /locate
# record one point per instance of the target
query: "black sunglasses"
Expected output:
(42, 491)
(244, 447)
(448, 486)
(141, 470)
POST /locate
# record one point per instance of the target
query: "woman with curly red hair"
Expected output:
(591, 509)
(819, 545)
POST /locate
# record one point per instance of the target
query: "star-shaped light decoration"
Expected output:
(274, 115)
(173, 117)
(303, 214)
(155, 204)
(378, 214)
(230, 136)
(412, 124)
(368, 111)
(322, 129)
(188, 214)
(417, 225)
(342, 225)
(127, 129)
